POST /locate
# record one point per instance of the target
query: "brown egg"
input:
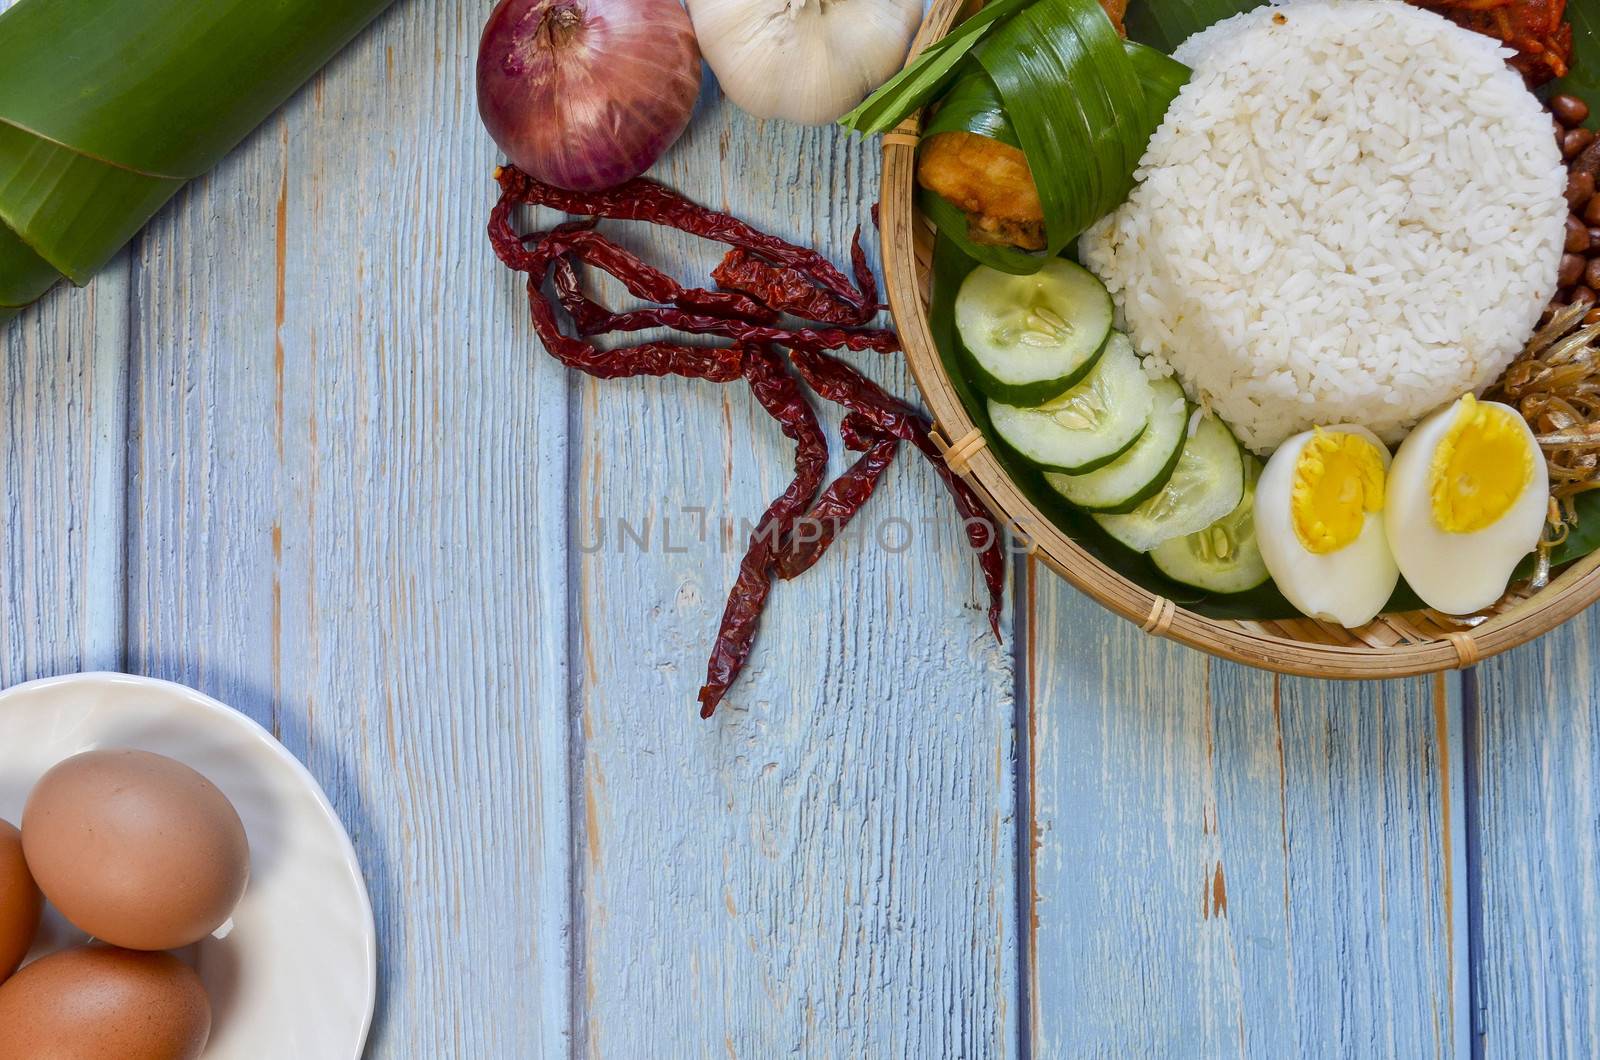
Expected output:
(19, 901)
(102, 1003)
(136, 849)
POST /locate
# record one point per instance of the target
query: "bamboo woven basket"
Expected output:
(1393, 645)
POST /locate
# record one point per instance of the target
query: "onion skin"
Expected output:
(586, 94)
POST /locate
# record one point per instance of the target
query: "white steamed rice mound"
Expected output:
(1353, 213)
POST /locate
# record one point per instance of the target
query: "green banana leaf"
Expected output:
(24, 275)
(108, 107)
(1165, 24)
(1583, 79)
(108, 207)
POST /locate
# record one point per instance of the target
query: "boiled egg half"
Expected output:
(1467, 500)
(1320, 523)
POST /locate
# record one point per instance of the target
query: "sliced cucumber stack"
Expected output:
(1029, 338)
(1091, 424)
(1068, 393)
(1224, 557)
(1207, 484)
(1137, 475)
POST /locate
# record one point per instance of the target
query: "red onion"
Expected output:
(585, 94)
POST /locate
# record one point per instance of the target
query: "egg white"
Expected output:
(1458, 574)
(1349, 586)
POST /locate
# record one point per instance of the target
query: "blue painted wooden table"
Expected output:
(298, 448)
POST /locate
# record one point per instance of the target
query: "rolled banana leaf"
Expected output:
(1055, 79)
(108, 107)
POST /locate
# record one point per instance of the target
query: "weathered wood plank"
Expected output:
(62, 462)
(1232, 864)
(826, 868)
(348, 518)
(1534, 754)
(62, 417)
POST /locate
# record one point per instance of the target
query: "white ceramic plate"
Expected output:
(297, 976)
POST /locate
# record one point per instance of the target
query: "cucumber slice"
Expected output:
(1207, 484)
(1091, 424)
(1028, 338)
(1137, 475)
(1224, 557)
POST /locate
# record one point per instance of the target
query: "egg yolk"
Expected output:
(1338, 479)
(1480, 467)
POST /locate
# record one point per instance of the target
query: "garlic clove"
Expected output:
(807, 61)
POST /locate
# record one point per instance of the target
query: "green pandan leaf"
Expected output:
(929, 74)
(1161, 77)
(1073, 94)
(972, 105)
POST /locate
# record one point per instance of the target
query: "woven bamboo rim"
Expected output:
(1393, 645)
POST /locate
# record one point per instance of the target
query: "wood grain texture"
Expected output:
(1233, 864)
(347, 518)
(62, 421)
(1535, 758)
(328, 476)
(63, 453)
(826, 867)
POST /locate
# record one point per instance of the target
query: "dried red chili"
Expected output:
(858, 264)
(597, 321)
(842, 500)
(843, 385)
(645, 281)
(593, 319)
(641, 199)
(790, 292)
(782, 289)
(719, 364)
(780, 394)
(762, 277)
(777, 392)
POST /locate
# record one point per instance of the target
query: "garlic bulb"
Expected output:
(809, 61)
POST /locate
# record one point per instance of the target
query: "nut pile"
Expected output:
(1580, 264)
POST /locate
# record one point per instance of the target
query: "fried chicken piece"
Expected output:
(1534, 28)
(990, 181)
